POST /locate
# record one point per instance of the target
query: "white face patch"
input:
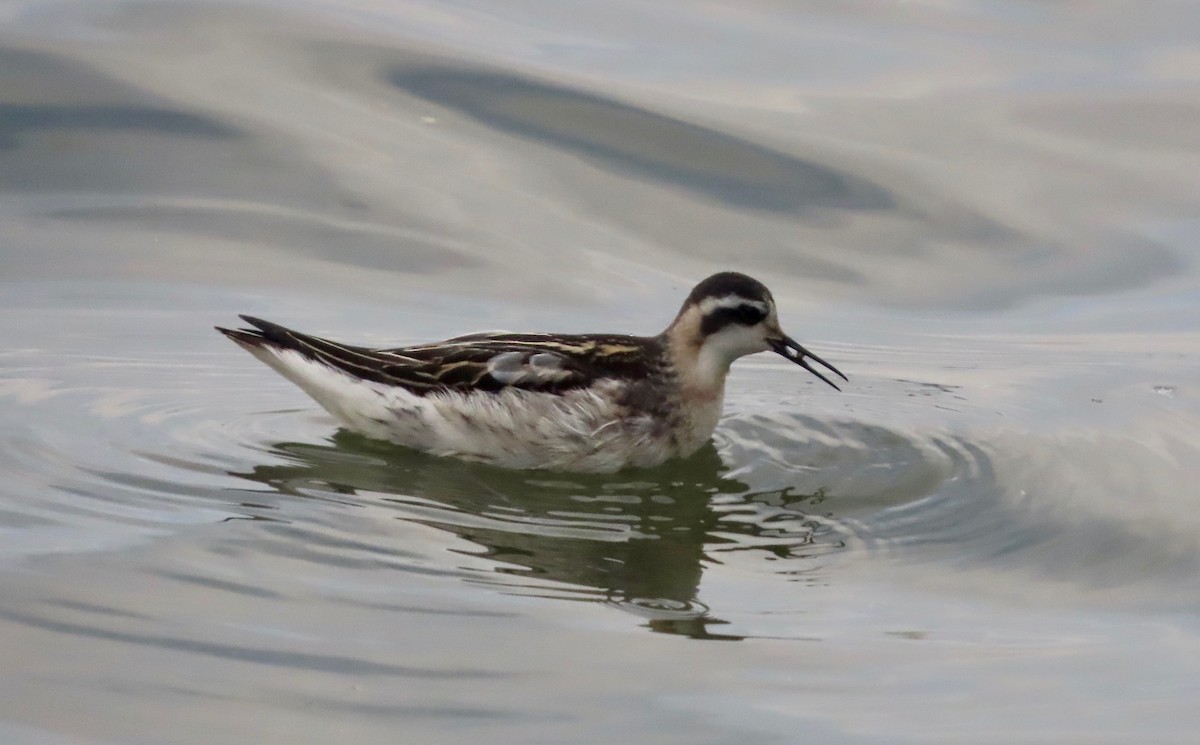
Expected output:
(723, 338)
(708, 305)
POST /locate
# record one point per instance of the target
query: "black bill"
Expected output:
(790, 348)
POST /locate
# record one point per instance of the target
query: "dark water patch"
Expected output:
(339, 544)
(222, 585)
(341, 665)
(33, 75)
(402, 712)
(322, 236)
(122, 486)
(96, 609)
(275, 540)
(642, 143)
(58, 115)
(425, 611)
(16, 120)
(694, 628)
(43, 92)
(78, 143)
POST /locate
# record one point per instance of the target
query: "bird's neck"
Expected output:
(700, 369)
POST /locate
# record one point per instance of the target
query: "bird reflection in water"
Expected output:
(638, 540)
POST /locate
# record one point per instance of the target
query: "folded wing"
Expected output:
(491, 362)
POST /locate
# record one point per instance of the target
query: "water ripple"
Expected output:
(794, 494)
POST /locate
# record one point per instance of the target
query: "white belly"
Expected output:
(582, 430)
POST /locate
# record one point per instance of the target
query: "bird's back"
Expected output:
(576, 402)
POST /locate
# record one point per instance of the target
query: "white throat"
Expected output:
(701, 368)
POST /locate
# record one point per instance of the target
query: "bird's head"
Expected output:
(730, 315)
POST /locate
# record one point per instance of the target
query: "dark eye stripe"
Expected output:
(749, 315)
(719, 318)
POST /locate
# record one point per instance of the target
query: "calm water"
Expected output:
(986, 213)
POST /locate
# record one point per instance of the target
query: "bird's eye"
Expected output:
(748, 315)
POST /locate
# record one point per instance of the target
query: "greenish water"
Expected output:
(983, 212)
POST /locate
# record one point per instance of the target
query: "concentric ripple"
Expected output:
(779, 494)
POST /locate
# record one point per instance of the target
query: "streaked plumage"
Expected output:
(590, 402)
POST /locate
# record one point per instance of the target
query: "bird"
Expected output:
(595, 403)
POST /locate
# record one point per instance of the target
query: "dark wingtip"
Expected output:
(245, 337)
(271, 332)
(256, 322)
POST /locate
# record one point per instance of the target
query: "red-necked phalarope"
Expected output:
(590, 402)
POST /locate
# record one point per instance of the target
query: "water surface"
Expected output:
(983, 212)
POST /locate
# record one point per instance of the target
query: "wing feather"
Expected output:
(490, 362)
